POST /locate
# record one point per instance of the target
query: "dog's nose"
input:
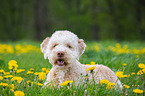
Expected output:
(60, 54)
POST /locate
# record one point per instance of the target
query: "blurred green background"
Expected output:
(89, 19)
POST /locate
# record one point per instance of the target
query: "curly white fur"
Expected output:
(73, 48)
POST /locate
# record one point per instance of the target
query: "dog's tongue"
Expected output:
(60, 62)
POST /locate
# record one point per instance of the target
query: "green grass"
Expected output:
(108, 58)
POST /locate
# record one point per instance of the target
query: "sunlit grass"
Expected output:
(23, 69)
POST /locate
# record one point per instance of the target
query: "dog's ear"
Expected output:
(82, 46)
(44, 46)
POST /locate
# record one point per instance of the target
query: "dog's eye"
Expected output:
(55, 45)
(69, 46)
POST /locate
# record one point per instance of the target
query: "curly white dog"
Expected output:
(63, 50)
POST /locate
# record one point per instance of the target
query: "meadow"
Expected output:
(23, 70)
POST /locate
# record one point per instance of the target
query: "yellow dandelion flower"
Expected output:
(12, 86)
(1, 78)
(143, 70)
(12, 64)
(137, 91)
(47, 71)
(2, 71)
(141, 65)
(137, 56)
(114, 49)
(12, 90)
(20, 70)
(28, 81)
(9, 49)
(14, 78)
(36, 73)
(19, 79)
(104, 81)
(119, 74)
(87, 64)
(18, 47)
(124, 76)
(91, 68)
(31, 69)
(10, 67)
(3, 84)
(125, 46)
(32, 82)
(19, 93)
(85, 77)
(139, 72)
(42, 75)
(97, 48)
(6, 73)
(126, 86)
(30, 72)
(120, 51)
(118, 45)
(66, 83)
(92, 63)
(15, 65)
(8, 76)
(124, 64)
(136, 51)
(43, 69)
(39, 84)
(143, 50)
(110, 85)
(132, 73)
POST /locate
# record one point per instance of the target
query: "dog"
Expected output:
(63, 50)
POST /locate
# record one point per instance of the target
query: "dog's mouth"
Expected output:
(60, 62)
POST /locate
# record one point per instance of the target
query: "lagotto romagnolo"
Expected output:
(63, 50)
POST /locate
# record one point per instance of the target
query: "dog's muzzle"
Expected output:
(60, 59)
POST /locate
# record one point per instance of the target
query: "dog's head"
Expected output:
(62, 48)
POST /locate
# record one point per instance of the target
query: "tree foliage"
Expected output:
(89, 19)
